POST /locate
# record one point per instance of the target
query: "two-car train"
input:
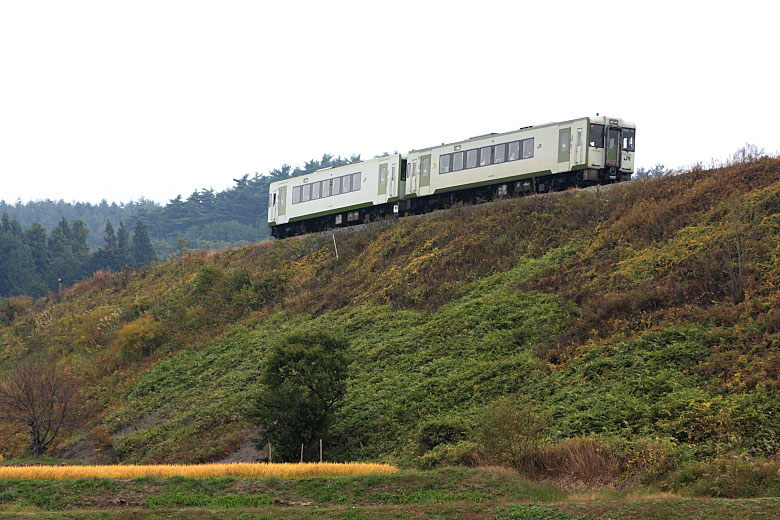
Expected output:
(555, 156)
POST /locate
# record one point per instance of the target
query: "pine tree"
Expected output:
(35, 238)
(62, 263)
(16, 228)
(80, 248)
(65, 228)
(107, 257)
(123, 243)
(141, 250)
(18, 274)
(109, 237)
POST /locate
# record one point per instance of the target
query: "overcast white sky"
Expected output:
(119, 100)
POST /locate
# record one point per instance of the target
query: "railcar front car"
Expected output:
(611, 147)
(334, 197)
(541, 158)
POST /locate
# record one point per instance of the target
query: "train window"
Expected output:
(444, 163)
(528, 148)
(564, 144)
(306, 193)
(628, 139)
(356, 181)
(457, 161)
(597, 136)
(499, 153)
(613, 135)
(326, 188)
(346, 184)
(471, 158)
(425, 167)
(315, 190)
(514, 151)
(335, 186)
(296, 194)
(485, 155)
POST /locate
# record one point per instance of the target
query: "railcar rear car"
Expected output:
(334, 197)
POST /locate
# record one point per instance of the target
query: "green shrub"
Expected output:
(440, 430)
(90, 329)
(19, 305)
(14, 306)
(267, 288)
(729, 478)
(651, 460)
(139, 338)
(463, 453)
(208, 276)
(508, 430)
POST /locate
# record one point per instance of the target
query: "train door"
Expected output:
(411, 177)
(273, 206)
(393, 183)
(564, 149)
(578, 144)
(613, 147)
(382, 184)
(425, 174)
(281, 203)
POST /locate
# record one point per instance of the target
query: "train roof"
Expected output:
(622, 122)
(324, 173)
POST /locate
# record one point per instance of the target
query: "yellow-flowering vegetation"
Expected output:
(238, 469)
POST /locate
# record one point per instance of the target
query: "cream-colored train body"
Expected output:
(597, 149)
(554, 156)
(342, 193)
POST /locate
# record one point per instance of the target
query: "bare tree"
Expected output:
(41, 398)
(735, 255)
(748, 154)
(736, 264)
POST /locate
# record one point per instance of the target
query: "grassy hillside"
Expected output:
(644, 317)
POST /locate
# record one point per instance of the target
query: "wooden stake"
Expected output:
(269, 453)
(320, 451)
(301, 452)
(334, 246)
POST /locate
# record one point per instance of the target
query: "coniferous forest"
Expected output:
(206, 219)
(34, 262)
(45, 243)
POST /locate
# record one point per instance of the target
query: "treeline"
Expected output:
(49, 213)
(238, 215)
(34, 262)
(205, 220)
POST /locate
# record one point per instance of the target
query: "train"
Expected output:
(533, 159)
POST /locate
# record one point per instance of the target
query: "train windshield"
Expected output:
(629, 134)
(596, 136)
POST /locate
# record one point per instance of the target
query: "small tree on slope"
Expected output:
(304, 380)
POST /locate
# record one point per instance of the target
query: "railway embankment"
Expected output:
(597, 336)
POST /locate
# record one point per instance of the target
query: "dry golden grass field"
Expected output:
(239, 470)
